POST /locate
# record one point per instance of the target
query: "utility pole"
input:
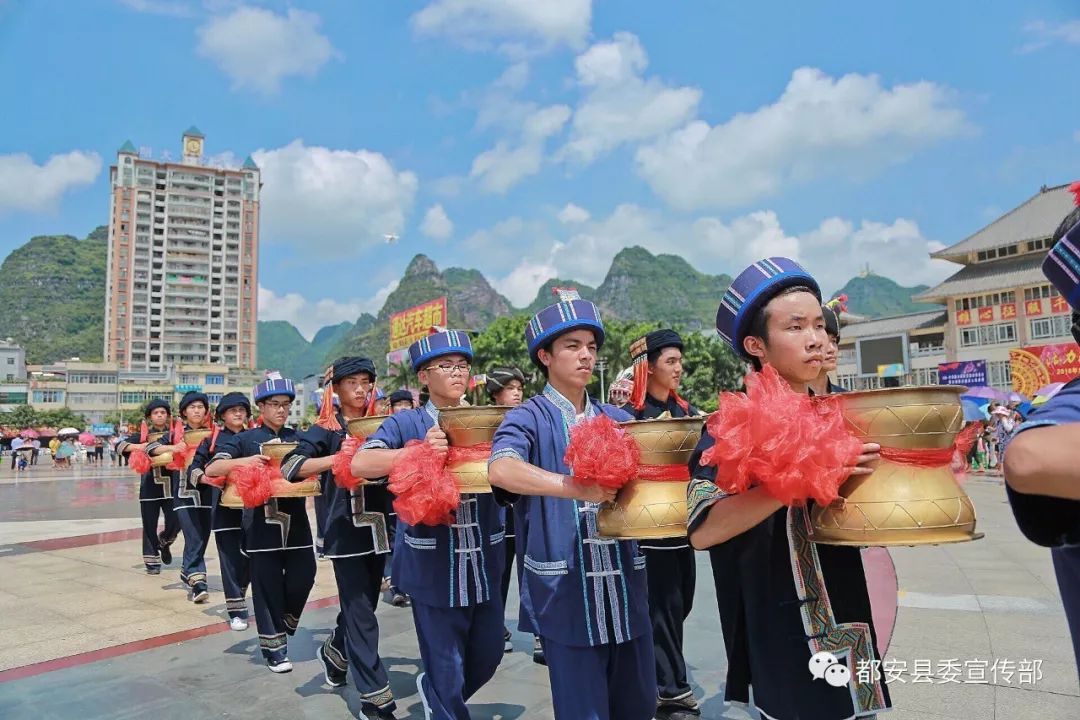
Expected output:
(601, 365)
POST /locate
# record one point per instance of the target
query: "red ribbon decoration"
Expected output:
(659, 473)
(934, 457)
(468, 453)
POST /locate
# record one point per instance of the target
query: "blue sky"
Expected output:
(533, 139)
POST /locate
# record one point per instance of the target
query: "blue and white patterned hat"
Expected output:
(753, 289)
(439, 344)
(570, 313)
(274, 384)
(1062, 266)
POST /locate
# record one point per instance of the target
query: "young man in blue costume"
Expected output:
(452, 573)
(585, 595)
(1041, 473)
(355, 533)
(277, 535)
(233, 411)
(192, 504)
(782, 598)
(672, 573)
(155, 491)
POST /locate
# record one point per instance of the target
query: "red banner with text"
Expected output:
(1039, 365)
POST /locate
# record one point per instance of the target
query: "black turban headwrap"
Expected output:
(231, 400)
(499, 377)
(346, 366)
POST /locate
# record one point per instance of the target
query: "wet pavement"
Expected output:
(979, 632)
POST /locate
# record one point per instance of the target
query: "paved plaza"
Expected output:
(979, 632)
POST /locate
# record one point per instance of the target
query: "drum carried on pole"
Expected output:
(653, 505)
(913, 496)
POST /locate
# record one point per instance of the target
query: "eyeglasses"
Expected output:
(450, 369)
(278, 405)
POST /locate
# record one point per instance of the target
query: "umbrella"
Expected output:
(1039, 400)
(984, 391)
(29, 433)
(68, 431)
(1017, 397)
(1049, 391)
(17, 443)
(973, 411)
(87, 438)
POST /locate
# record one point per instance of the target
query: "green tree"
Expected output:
(503, 343)
(20, 418)
(124, 417)
(709, 367)
(62, 417)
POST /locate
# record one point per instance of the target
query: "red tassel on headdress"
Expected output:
(342, 467)
(601, 453)
(1075, 190)
(139, 461)
(254, 484)
(795, 446)
(426, 493)
(641, 383)
(143, 432)
(327, 415)
(372, 399)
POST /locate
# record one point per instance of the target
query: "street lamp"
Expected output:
(601, 365)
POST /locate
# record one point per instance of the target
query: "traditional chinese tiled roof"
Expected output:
(988, 277)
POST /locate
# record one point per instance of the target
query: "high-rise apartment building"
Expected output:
(183, 261)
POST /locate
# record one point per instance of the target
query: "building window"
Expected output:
(924, 376)
(984, 255)
(215, 379)
(214, 398)
(998, 334)
(132, 397)
(999, 373)
(1040, 292)
(48, 396)
(973, 303)
(1057, 326)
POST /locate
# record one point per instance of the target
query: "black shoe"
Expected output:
(507, 645)
(399, 599)
(379, 714)
(279, 666)
(677, 712)
(199, 593)
(166, 553)
(334, 677)
(153, 570)
(538, 651)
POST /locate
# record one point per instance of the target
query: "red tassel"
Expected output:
(214, 437)
(327, 414)
(681, 403)
(139, 461)
(342, 466)
(372, 399)
(601, 453)
(180, 455)
(143, 432)
(1075, 190)
(426, 493)
(641, 384)
(795, 446)
(254, 484)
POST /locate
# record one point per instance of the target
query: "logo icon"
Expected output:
(824, 666)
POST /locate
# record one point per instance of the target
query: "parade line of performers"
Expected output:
(607, 614)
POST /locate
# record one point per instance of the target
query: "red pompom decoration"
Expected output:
(254, 484)
(795, 446)
(139, 461)
(601, 453)
(342, 467)
(426, 493)
(180, 457)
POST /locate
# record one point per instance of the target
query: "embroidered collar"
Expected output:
(569, 412)
(433, 411)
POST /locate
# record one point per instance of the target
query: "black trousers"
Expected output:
(151, 544)
(281, 581)
(321, 512)
(235, 571)
(195, 523)
(672, 578)
(354, 643)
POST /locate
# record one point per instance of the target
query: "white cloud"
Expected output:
(819, 126)
(620, 105)
(515, 27)
(507, 163)
(309, 316)
(1046, 34)
(25, 185)
(168, 8)
(571, 213)
(436, 224)
(332, 202)
(257, 48)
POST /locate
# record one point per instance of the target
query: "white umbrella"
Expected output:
(68, 431)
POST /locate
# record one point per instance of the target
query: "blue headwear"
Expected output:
(1062, 265)
(440, 344)
(752, 290)
(570, 313)
(274, 384)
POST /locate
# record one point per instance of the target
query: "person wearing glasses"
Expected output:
(356, 539)
(277, 535)
(451, 572)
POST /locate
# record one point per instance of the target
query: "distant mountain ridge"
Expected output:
(875, 296)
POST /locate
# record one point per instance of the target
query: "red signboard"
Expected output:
(1008, 311)
(1033, 308)
(963, 317)
(408, 326)
(1039, 365)
(1058, 304)
(986, 314)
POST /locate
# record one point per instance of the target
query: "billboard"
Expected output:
(969, 374)
(408, 326)
(1038, 365)
(875, 352)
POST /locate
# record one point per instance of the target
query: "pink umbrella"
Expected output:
(1050, 390)
(29, 433)
(87, 438)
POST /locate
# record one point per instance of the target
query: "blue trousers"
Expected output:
(354, 643)
(1067, 569)
(195, 523)
(235, 571)
(606, 682)
(460, 648)
(280, 583)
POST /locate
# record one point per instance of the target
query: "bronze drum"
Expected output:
(652, 509)
(276, 451)
(900, 504)
(158, 462)
(192, 438)
(365, 427)
(466, 426)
